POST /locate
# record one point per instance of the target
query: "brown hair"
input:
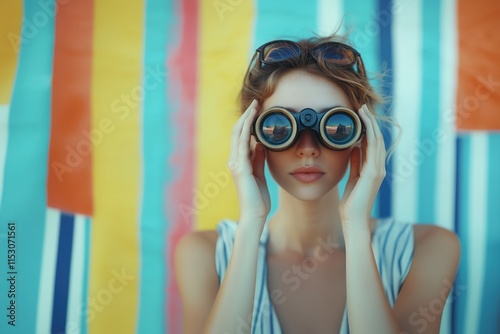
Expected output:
(261, 81)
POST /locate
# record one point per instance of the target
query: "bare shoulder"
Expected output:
(436, 247)
(427, 235)
(198, 239)
(198, 248)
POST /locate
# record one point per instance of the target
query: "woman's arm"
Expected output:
(229, 308)
(419, 306)
(435, 260)
(206, 307)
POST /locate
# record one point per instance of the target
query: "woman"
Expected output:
(321, 264)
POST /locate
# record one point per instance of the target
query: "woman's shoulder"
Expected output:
(206, 240)
(196, 246)
(203, 240)
(436, 241)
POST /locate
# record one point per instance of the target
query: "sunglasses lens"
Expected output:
(335, 53)
(277, 52)
(340, 129)
(275, 129)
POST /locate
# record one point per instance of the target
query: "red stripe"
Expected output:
(183, 81)
(478, 100)
(70, 159)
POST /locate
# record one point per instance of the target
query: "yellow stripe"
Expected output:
(225, 31)
(11, 13)
(116, 76)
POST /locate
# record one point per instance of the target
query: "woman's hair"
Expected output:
(261, 82)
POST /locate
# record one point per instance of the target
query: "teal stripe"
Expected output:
(463, 227)
(360, 18)
(152, 314)
(429, 111)
(85, 282)
(490, 307)
(279, 19)
(24, 193)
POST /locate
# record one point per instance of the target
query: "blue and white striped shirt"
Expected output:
(392, 244)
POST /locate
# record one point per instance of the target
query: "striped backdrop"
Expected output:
(115, 120)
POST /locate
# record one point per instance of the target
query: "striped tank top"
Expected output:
(392, 244)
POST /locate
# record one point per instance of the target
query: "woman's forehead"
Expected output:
(297, 90)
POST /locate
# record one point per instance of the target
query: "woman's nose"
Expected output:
(307, 144)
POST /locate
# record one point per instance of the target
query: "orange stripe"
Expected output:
(70, 158)
(11, 13)
(478, 100)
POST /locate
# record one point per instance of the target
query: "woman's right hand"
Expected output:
(248, 172)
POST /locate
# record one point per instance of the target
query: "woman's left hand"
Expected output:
(366, 175)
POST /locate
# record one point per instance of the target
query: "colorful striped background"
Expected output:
(114, 134)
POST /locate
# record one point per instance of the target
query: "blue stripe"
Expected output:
(456, 216)
(489, 322)
(403, 248)
(462, 228)
(85, 287)
(275, 20)
(159, 15)
(429, 111)
(63, 267)
(384, 18)
(25, 175)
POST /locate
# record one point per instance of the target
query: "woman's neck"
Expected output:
(303, 226)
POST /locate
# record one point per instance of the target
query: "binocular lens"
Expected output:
(340, 128)
(276, 129)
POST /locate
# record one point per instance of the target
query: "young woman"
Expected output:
(321, 264)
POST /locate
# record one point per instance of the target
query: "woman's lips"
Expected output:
(307, 174)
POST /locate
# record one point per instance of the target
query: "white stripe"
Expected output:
(75, 301)
(407, 51)
(329, 17)
(48, 273)
(476, 221)
(4, 136)
(446, 145)
(446, 153)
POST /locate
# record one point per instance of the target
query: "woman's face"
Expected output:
(296, 91)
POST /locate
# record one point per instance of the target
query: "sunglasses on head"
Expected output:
(332, 53)
(337, 128)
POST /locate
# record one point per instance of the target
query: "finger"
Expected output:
(379, 154)
(370, 140)
(375, 126)
(258, 161)
(244, 142)
(236, 132)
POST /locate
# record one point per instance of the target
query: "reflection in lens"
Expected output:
(335, 53)
(276, 129)
(280, 52)
(340, 128)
